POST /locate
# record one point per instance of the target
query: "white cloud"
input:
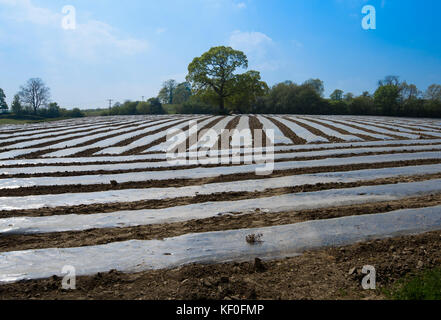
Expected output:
(25, 11)
(91, 39)
(160, 30)
(95, 39)
(257, 46)
(241, 5)
(250, 42)
(298, 44)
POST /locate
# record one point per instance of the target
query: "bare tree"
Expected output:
(389, 81)
(409, 91)
(35, 93)
(433, 92)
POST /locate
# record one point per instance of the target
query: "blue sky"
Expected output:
(126, 49)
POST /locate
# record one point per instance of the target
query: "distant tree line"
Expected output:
(151, 106)
(33, 102)
(213, 87)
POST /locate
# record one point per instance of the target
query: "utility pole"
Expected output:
(142, 98)
(110, 103)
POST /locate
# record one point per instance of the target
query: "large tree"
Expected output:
(215, 71)
(35, 93)
(250, 89)
(3, 104)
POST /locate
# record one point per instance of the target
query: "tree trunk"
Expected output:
(222, 106)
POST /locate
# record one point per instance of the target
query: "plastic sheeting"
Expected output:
(145, 141)
(132, 195)
(242, 136)
(278, 136)
(291, 147)
(73, 142)
(354, 130)
(207, 140)
(206, 172)
(328, 131)
(385, 131)
(301, 132)
(163, 147)
(109, 141)
(288, 202)
(234, 159)
(216, 247)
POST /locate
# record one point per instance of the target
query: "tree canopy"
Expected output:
(215, 71)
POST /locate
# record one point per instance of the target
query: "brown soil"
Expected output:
(200, 198)
(73, 163)
(413, 131)
(256, 125)
(331, 273)
(89, 142)
(362, 136)
(52, 126)
(186, 182)
(315, 131)
(89, 152)
(53, 134)
(199, 133)
(226, 137)
(422, 136)
(422, 128)
(367, 130)
(287, 132)
(173, 168)
(37, 154)
(225, 222)
(140, 149)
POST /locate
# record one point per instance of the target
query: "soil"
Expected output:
(327, 273)
(422, 136)
(362, 136)
(130, 126)
(316, 131)
(287, 132)
(367, 130)
(214, 197)
(262, 140)
(331, 273)
(36, 190)
(225, 222)
(73, 163)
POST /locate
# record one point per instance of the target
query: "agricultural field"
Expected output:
(230, 212)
